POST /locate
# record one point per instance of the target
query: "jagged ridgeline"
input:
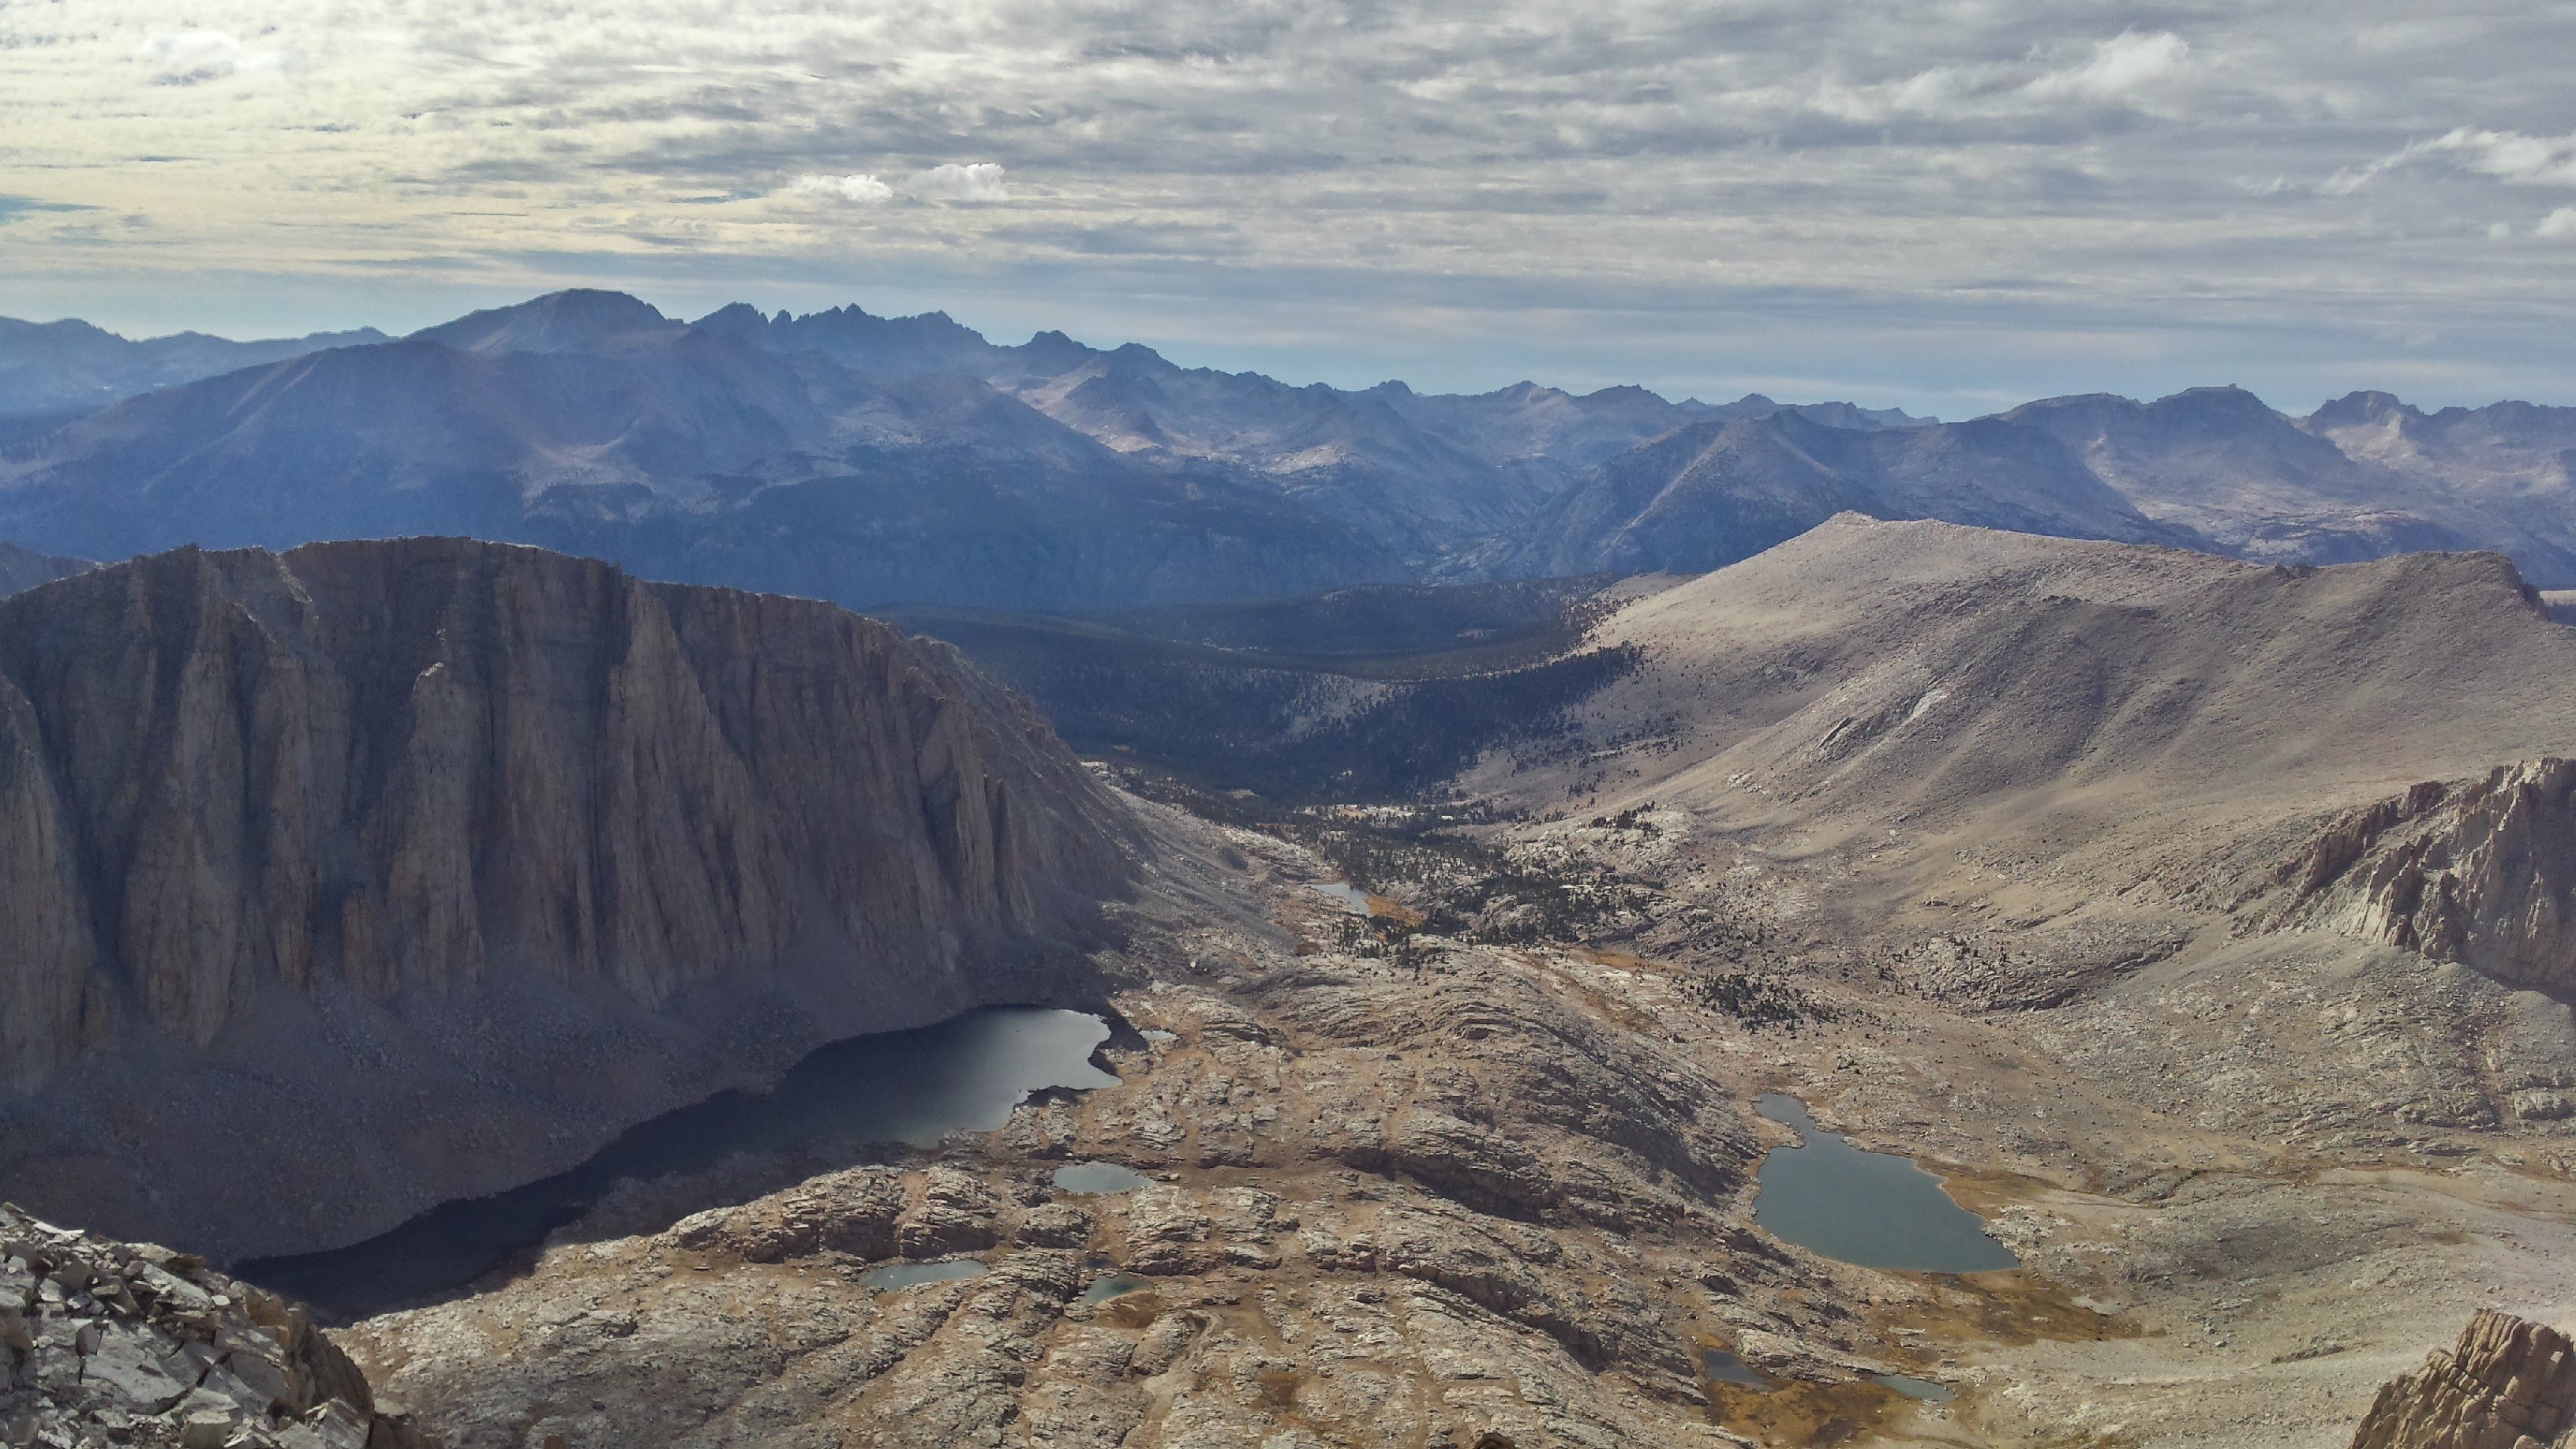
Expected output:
(440, 861)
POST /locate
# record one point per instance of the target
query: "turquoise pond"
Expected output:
(1116, 1285)
(908, 1275)
(1867, 1208)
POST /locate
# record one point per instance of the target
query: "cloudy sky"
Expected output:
(1947, 206)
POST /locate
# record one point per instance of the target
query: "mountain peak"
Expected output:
(579, 319)
(2363, 409)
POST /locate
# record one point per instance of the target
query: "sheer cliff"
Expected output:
(511, 847)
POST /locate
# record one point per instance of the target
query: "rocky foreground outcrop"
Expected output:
(2510, 1384)
(2481, 872)
(445, 860)
(103, 1342)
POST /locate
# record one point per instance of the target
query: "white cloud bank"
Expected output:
(2022, 168)
(973, 181)
(2508, 156)
(2125, 67)
(192, 57)
(949, 181)
(861, 187)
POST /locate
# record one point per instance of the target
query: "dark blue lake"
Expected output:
(909, 1087)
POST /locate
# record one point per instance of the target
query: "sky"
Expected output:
(1949, 207)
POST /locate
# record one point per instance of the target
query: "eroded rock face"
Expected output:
(130, 1343)
(2510, 1384)
(2481, 872)
(514, 823)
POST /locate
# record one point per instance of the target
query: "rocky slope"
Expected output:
(2509, 1383)
(297, 845)
(2095, 711)
(131, 1343)
(2137, 800)
(1478, 1165)
(1402, 1186)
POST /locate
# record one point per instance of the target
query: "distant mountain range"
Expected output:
(872, 460)
(54, 371)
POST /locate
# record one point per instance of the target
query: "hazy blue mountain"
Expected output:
(53, 371)
(872, 459)
(1707, 495)
(681, 453)
(1427, 473)
(2501, 476)
(24, 568)
(589, 419)
(2364, 477)
(580, 320)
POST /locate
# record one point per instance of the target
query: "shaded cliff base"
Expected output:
(442, 1107)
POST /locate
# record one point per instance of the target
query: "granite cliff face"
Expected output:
(570, 845)
(2481, 872)
(2508, 1385)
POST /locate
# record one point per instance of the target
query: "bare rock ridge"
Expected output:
(2482, 873)
(456, 817)
(2510, 1384)
(131, 1343)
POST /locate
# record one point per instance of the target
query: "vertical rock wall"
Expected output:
(2481, 872)
(430, 774)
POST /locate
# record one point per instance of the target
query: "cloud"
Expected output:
(2122, 68)
(14, 207)
(1600, 166)
(2512, 157)
(2126, 70)
(2508, 156)
(973, 181)
(192, 57)
(860, 187)
(2559, 225)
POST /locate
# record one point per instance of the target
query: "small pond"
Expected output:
(1726, 1368)
(1116, 1285)
(1353, 899)
(1087, 1178)
(1914, 1388)
(1868, 1208)
(908, 1275)
(913, 1087)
